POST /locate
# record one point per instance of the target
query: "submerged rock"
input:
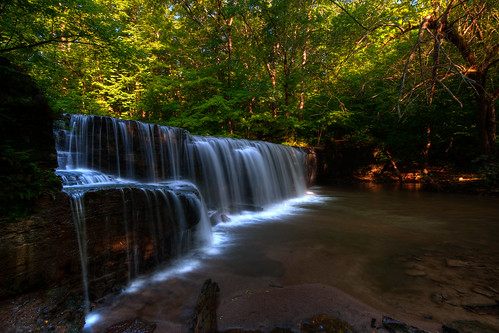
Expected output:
(484, 292)
(456, 263)
(415, 272)
(395, 326)
(218, 217)
(486, 309)
(468, 326)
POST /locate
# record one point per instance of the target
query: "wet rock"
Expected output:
(132, 326)
(486, 309)
(456, 263)
(325, 323)
(468, 326)
(483, 292)
(218, 217)
(438, 298)
(54, 311)
(239, 207)
(414, 272)
(395, 326)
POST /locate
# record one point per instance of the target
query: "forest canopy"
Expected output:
(418, 79)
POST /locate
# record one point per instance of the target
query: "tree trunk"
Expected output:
(486, 123)
(204, 318)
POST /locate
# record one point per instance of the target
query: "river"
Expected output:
(409, 254)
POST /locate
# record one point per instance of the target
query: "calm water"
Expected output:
(404, 252)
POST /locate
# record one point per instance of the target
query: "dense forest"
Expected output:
(418, 80)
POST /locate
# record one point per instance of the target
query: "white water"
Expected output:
(227, 176)
(222, 241)
(230, 173)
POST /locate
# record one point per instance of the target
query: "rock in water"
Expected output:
(468, 326)
(395, 326)
(204, 319)
(456, 263)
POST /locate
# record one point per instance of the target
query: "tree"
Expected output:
(29, 24)
(456, 43)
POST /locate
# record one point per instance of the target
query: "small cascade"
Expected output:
(242, 174)
(141, 192)
(81, 235)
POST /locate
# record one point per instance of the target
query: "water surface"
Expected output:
(408, 253)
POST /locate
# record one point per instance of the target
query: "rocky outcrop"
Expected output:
(42, 252)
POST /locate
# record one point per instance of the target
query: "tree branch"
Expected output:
(450, 92)
(48, 41)
(422, 27)
(489, 60)
(351, 16)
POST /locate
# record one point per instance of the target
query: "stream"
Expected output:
(407, 253)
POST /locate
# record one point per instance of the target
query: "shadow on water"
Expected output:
(405, 252)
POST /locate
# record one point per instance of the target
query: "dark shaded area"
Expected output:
(132, 326)
(27, 143)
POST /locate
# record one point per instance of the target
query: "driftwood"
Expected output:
(204, 318)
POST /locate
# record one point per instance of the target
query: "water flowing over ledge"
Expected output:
(142, 193)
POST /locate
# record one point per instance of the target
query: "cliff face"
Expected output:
(127, 233)
(42, 252)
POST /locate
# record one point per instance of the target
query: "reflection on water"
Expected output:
(405, 252)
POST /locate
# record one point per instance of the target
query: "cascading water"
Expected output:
(177, 177)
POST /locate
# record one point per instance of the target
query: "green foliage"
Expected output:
(295, 72)
(489, 167)
(22, 182)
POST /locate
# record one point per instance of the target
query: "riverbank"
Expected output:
(433, 180)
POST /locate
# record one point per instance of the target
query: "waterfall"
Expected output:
(165, 180)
